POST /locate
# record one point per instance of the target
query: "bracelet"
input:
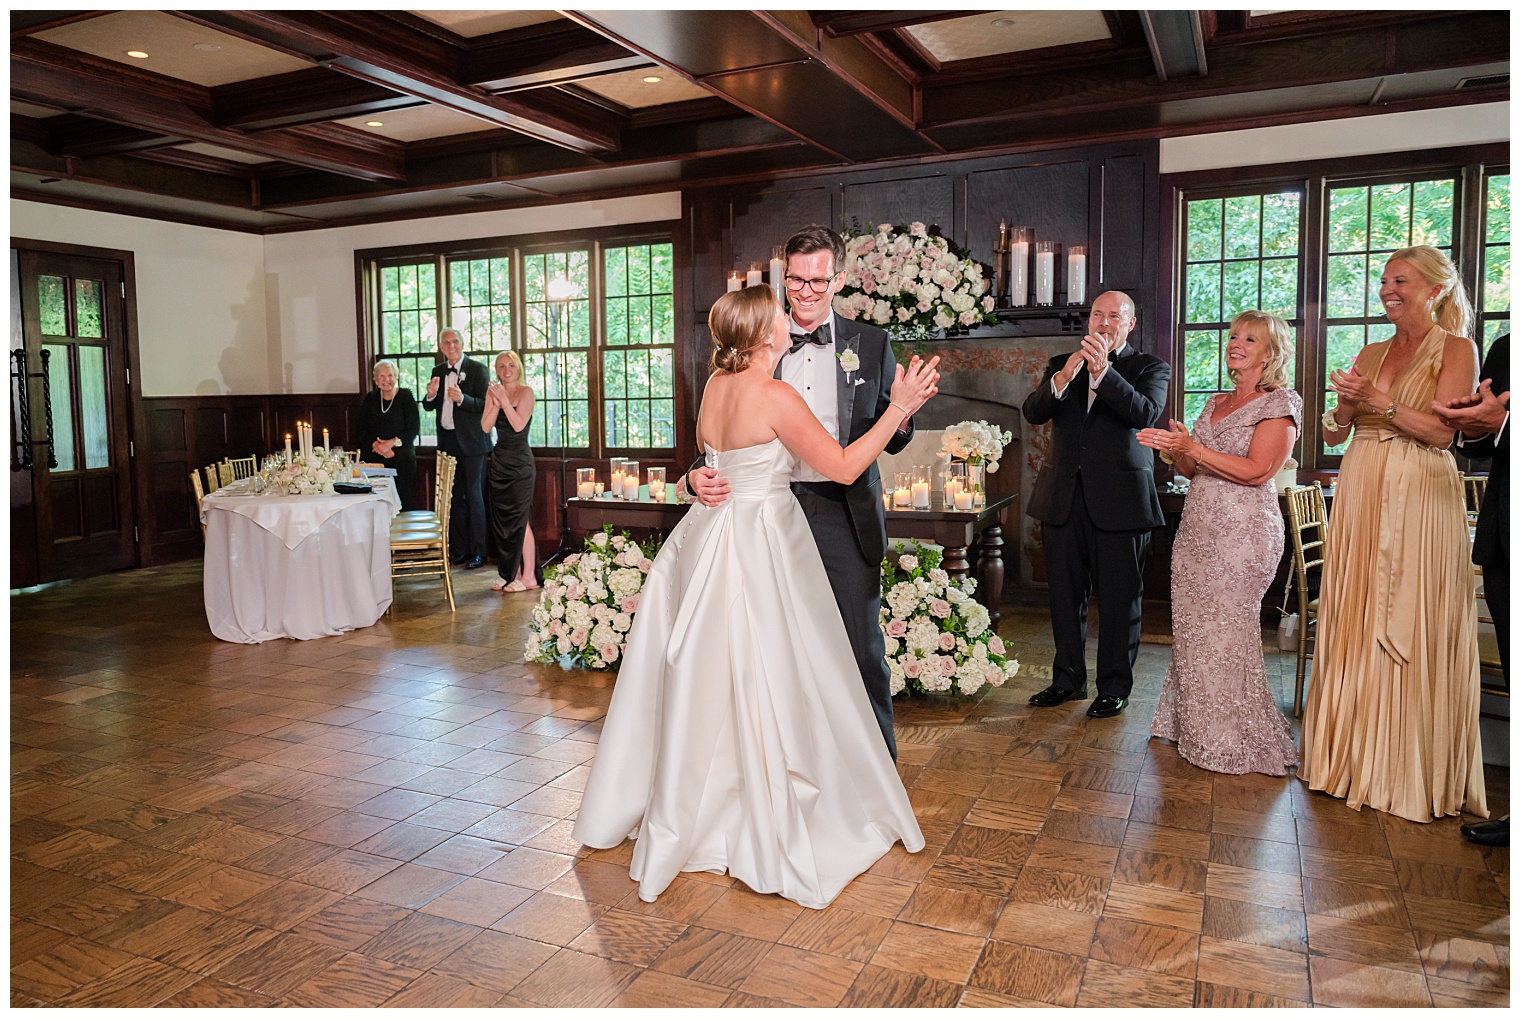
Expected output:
(900, 407)
(1393, 408)
(1330, 423)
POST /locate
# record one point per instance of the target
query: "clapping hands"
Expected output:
(1352, 386)
(916, 384)
(1175, 442)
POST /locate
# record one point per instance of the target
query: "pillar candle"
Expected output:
(585, 489)
(920, 494)
(1076, 276)
(735, 281)
(657, 493)
(902, 498)
(598, 487)
(978, 499)
(1044, 276)
(963, 500)
(752, 277)
(1018, 273)
(617, 484)
(778, 273)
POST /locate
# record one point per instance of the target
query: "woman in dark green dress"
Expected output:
(510, 474)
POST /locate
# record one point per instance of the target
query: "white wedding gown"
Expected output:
(739, 738)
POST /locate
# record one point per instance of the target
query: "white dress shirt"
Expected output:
(446, 416)
(813, 372)
(1092, 386)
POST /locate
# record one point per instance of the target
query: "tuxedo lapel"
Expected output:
(843, 337)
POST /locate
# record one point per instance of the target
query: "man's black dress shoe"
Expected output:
(1050, 696)
(1107, 707)
(458, 560)
(1494, 833)
(476, 562)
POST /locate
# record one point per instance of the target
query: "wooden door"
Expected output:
(75, 349)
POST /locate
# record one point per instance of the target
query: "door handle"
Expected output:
(47, 406)
(21, 450)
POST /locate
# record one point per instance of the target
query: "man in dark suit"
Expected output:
(1096, 497)
(1480, 421)
(457, 393)
(844, 370)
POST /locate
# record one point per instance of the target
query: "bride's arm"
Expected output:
(800, 431)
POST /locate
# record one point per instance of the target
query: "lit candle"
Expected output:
(325, 446)
(585, 489)
(735, 281)
(657, 493)
(1018, 269)
(886, 500)
(978, 498)
(778, 272)
(617, 484)
(963, 500)
(902, 498)
(598, 488)
(952, 486)
(752, 277)
(920, 494)
(1045, 272)
(287, 447)
(1076, 275)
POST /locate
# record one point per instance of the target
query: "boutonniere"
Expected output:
(849, 360)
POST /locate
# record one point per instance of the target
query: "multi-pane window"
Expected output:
(557, 352)
(480, 304)
(408, 306)
(1241, 254)
(1367, 223)
(71, 319)
(1493, 306)
(638, 361)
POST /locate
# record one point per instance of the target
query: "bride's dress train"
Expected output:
(739, 738)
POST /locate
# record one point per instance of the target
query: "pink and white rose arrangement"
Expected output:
(909, 281)
(302, 475)
(938, 638)
(588, 601)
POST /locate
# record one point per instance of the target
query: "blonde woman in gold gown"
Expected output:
(1392, 714)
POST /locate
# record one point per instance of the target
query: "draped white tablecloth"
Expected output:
(297, 566)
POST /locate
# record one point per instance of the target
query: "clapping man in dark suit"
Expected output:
(1480, 421)
(457, 393)
(1096, 497)
(844, 371)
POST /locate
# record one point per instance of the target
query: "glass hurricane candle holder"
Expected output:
(585, 482)
(1045, 272)
(1076, 275)
(902, 490)
(631, 480)
(1019, 240)
(921, 488)
(656, 484)
(615, 477)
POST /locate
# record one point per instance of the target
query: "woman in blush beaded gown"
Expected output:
(1216, 703)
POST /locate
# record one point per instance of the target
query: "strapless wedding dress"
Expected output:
(739, 738)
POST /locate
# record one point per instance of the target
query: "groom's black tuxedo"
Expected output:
(847, 520)
(1096, 497)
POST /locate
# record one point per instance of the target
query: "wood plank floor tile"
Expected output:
(684, 901)
(1266, 970)
(1062, 930)
(976, 996)
(1455, 993)
(354, 980)
(1366, 943)
(1453, 883)
(65, 967)
(1356, 902)
(1157, 905)
(349, 923)
(495, 961)
(1349, 984)
(420, 941)
(873, 895)
(1153, 869)
(877, 986)
(1254, 854)
(712, 957)
(1228, 919)
(804, 978)
(925, 951)
(660, 989)
(139, 983)
(1135, 945)
(1028, 972)
(1106, 985)
(949, 909)
(550, 918)
(1053, 853)
(1462, 919)
(1477, 962)
(1260, 887)
(433, 990)
(278, 966)
(627, 937)
(1212, 995)
(1329, 864)
(211, 992)
(838, 932)
(743, 912)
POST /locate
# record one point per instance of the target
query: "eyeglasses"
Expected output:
(816, 285)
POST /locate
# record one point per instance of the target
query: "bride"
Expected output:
(739, 738)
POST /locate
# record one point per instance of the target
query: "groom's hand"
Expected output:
(710, 489)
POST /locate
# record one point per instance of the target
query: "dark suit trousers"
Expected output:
(1496, 594)
(467, 521)
(857, 589)
(1079, 555)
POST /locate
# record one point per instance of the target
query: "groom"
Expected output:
(844, 371)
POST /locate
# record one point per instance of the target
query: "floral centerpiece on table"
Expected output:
(303, 475)
(588, 601)
(938, 638)
(975, 442)
(911, 281)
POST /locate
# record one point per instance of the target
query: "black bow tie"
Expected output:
(818, 337)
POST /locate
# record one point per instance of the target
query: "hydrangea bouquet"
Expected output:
(303, 475)
(587, 604)
(911, 281)
(938, 638)
(976, 443)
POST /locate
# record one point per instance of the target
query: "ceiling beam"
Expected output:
(835, 94)
(301, 97)
(29, 22)
(1175, 41)
(556, 53)
(372, 48)
(837, 23)
(106, 90)
(71, 135)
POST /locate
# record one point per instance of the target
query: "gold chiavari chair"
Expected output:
(213, 477)
(420, 541)
(200, 493)
(1307, 525)
(243, 466)
(224, 473)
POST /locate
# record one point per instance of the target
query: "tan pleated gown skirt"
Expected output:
(1391, 719)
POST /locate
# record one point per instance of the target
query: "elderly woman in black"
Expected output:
(388, 427)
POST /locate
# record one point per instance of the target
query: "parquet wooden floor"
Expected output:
(384, 819)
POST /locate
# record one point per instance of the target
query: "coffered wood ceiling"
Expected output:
(272, 121)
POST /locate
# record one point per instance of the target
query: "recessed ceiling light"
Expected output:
(653, 79)
(137, 54)
(374, 123)
(207, 47)
(1003, 23)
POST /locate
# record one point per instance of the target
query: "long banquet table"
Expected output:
(296, 566)
(973, 540)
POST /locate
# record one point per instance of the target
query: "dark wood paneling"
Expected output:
(1125, 202)
(926, 199)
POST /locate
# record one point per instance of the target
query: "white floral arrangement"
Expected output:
(975, 442)
(303, 475)
(939, 639)
(588, 601)
(911, 281)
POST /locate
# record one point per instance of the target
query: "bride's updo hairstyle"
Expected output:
(741, 322)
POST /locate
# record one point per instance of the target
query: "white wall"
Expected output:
(1332, 139)
(200, 296)
(221, 312)
(310, 281)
